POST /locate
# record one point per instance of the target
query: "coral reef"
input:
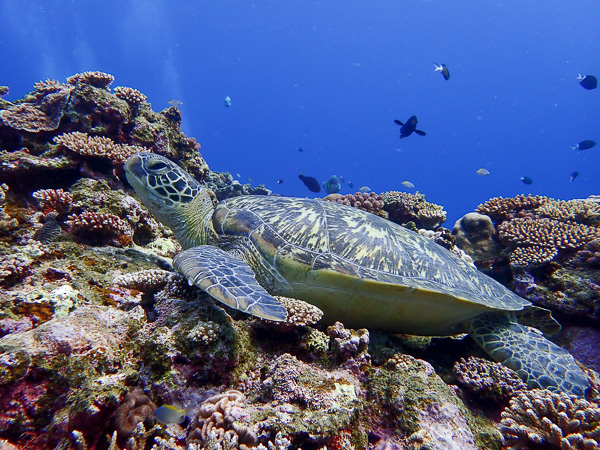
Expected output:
(403, 208)
(130, 95)
(369, 202)
(99, 146)
(475, 234)
(543, 419)
(93, 78)
(102, 228)
(488, 380)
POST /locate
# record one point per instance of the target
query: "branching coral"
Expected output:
(130, 95)
(404, 207)
(501, 209)
(219, 415)
(98, 146)
(370, 202)
(93, 78)
(544, 237)
(487, 379)
(54, 200)
(544, 419)
(100, 227)
(299, 312)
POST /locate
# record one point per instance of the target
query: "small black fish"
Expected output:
(49, 231)
(311, 183)
(442, 68)
(350, 184)
(584, 145)
(280, 181)
(526, 180)
(300, 149)
(574, 175)
(406, 129)
(588, 82)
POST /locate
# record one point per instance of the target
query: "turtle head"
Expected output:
(173, 196)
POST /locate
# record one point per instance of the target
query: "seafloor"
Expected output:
(96, 329)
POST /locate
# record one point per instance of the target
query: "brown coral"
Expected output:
(532, 256)
(369, 202)
(3, 91)
(544, 419)
(135, 408)
(404, 208)
(42, 111)
(299, 313)
(499, 208)
(99, 146)
(54, 200)
(547, 233)
(582, 211)
(101, 227)
(218, 416)
(96, 79)
(488, 380)
(130, 95)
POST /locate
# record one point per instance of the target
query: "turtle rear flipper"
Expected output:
(229, 280)
(540, 318)
(539, 362)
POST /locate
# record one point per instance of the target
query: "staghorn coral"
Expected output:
(93, 78)
(99, 146)
(54, 200)
(487, 380)
(544, 419)
(219, 415)
(403, 208)
(135, 408)
(130, 95)
(41, 111)
(101, 228)
(369, 202)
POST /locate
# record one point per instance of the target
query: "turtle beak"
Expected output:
(134, 167)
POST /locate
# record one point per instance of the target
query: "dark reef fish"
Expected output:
(526, 180)
(588, 82)
(406, 129)
(442, 68)
(584, 145)
(300, 149)
(280, 181)
(49, 232)
(311, 183)
(574, 175)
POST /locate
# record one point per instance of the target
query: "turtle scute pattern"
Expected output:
(327, 235)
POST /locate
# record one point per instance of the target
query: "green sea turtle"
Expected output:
(358, 268)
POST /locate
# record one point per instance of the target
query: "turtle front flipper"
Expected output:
(539, 362)
(229, 280)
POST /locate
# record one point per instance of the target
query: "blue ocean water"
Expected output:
(330, 77)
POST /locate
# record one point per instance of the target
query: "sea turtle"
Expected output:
(358, 268)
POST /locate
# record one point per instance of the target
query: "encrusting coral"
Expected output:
(403, 208)
(488, 380)
(544, 419)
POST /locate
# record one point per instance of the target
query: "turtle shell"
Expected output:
(360, 269)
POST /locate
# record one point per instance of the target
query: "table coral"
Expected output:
(544, 419)
(98, 146)
(94, 78)
(100, 228)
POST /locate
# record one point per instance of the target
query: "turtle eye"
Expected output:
(156, 165)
